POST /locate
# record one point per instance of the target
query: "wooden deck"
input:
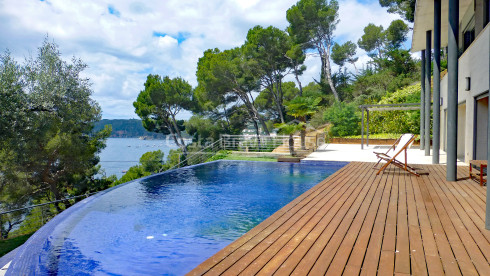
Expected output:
(355, 222)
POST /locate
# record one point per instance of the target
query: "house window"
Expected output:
(486, 10)
(468, 38)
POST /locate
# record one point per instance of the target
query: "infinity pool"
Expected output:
(167, 223)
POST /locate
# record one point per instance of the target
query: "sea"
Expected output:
(122, 153)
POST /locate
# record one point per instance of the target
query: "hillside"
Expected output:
(122, 128)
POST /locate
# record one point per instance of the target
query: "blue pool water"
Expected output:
(169, 223)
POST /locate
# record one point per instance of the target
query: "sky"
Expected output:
(123, 41)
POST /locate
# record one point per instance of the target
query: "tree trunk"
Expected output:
(279, 109)
(255, 113)
(327, 71)
(291, 145)
(276, 95)
(171, 130)
(226, 118)
(51, 185)
(257, 132)
(355, 67)
(303, 138)
(182, 146)
(296, 75)
(303, 135)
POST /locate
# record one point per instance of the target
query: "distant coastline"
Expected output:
(128, 128)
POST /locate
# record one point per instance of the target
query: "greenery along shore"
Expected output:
(49, 147)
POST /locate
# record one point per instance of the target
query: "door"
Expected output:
(481, 125)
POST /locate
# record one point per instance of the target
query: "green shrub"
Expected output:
(219, 155)
(345, 119)
(318, 119)
(152, 161)
(397, 121)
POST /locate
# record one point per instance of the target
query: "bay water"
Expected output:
(122, 153)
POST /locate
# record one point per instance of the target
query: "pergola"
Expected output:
(381, 107)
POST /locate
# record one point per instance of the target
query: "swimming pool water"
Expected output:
(171, 222)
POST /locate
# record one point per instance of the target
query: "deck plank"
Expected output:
(320, 255)
(356, 222)
(431, 251)
(470, 236)
(225, 257)
(245, 255)
(287, 241)
(322, 217)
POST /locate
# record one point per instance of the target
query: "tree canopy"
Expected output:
(311, 24)
(48, 149)
(160, 102)
(405, 8)
(342, 53)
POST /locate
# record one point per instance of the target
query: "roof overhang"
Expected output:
(424, 21)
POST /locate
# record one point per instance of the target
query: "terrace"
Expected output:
(355, 222)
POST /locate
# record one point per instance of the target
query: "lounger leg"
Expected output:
(470, 171)
(383, 167)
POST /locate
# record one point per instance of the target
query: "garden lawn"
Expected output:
(10, 244)
(248, 158)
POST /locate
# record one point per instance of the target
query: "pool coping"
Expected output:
(24, 262)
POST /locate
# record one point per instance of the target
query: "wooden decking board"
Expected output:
(467, 209)
(475, 224)
(282, 214)
(431, 252)
(477, 190)
(248, 256)
(448, 259)
(241, 258)
(343, 252)
(288, 238)
(373, 252)
(468, 194)
(319, 256)
(387, 257)
(468, 202)
(467, 232)
(355, 222)
(448, 220)
(418, 263)
(324, 216)
(327, 222)
(402, 252)
(358, 250)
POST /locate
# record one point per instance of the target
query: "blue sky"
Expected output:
(123, 41)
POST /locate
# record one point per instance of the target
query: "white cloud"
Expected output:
(167, 42)
(124, 41)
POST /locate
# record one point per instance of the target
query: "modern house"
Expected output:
(472, 82)
(460, 99)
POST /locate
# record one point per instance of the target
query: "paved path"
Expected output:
(353, 152)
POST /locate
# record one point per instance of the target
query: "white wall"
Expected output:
(474, 63)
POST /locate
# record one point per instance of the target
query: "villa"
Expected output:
(354, 222)
(472, 69)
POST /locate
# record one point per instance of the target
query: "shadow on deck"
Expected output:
(355, 222)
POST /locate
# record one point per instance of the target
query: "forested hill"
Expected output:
(122, 128)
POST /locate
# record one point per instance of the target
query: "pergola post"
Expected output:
(362, 128)
(428, 47)
(452, 103)
(422, 99)
(436, 103)
(367, 130)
